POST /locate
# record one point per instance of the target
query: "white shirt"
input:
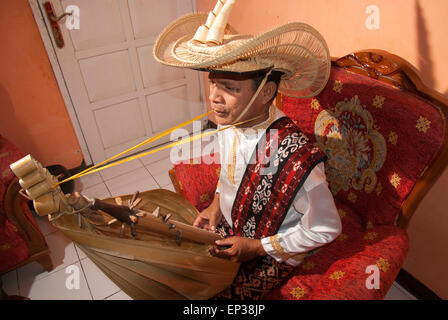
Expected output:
(311, 221)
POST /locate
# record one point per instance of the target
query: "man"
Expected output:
(272, 204)
(312, 220)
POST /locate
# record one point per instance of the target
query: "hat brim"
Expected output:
(296, 49)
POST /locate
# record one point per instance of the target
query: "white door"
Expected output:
(120, 94)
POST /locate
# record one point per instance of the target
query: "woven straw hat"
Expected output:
(296, 49)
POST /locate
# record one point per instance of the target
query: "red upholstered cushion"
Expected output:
(198, 179)
(379, 140)
(13, 248)
(338, 270)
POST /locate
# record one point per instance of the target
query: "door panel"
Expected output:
(120, 94)
(108, 75)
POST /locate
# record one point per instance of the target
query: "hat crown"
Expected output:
(212, 32)
(296, 49)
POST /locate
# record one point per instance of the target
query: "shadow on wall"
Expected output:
(425, 63)
(9, 122)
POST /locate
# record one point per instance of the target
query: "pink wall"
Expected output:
(32, 112)
(416, 31)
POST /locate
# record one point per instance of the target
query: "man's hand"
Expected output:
(241, 249)
(209, 218)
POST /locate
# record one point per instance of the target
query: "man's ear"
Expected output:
(268, 91)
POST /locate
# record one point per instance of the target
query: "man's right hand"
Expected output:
(209, 218)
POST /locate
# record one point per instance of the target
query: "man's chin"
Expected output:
(221, 121)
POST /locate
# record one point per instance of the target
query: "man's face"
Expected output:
(229, 96)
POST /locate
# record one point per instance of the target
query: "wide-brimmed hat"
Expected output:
(295, 49)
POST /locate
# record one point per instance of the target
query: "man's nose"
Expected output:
(214, 94)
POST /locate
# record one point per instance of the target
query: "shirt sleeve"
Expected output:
(319, 225)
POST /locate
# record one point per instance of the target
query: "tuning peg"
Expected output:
(135, 203)
(156, 212)
(167, 217)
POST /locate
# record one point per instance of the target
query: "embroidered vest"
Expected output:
(280, 164)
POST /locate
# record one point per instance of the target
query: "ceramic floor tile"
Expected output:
(154, 157)
(45, 226)
(100, 285)
(63, 254)
(81, 253)
(120, 169)
(66, 284)
(159, 170)
(169, 187)
(396, 294)
(10, 284)
(88, 181)
(119, 296)
(99, 191)
(128, 183)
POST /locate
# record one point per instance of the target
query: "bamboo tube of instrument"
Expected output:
(50, 203)
(25, 166)
(35, 177)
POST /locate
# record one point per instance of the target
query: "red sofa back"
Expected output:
(379, 140)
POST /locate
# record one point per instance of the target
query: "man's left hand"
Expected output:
(241, 249)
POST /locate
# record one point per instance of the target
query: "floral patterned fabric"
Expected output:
(379, 140)
(198, 179)
(339, 270)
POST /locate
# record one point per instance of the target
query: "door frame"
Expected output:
(51, 52)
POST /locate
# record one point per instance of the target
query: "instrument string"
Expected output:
(103, 165)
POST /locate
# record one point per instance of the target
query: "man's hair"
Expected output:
(275, 76)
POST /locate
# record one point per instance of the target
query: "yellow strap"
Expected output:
(164, 133)
(154, 138)
(185, 140)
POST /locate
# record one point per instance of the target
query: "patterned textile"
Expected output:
(264, 196)
(338, 270)
(378, 139)
(255, 278)
(198, 179)
(268, 187)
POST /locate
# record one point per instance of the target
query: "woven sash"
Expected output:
(279, 166)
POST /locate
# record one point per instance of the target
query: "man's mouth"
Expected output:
(220, 113)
